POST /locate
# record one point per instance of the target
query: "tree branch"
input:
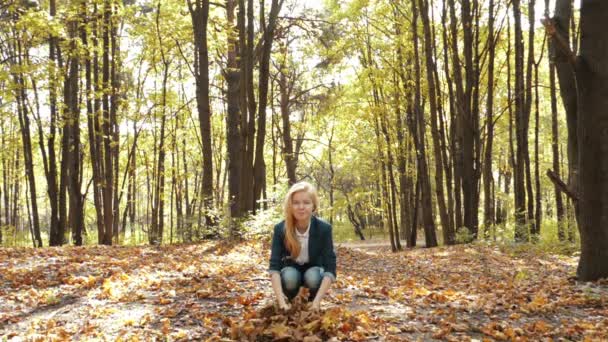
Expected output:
(561, 185)
(562, 43)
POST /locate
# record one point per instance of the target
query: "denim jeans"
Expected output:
(293, 277)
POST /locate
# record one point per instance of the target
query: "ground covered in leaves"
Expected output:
(219, 291)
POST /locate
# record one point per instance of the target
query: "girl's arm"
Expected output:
(325, 285)
(275, 279)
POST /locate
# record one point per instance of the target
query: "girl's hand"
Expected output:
(315, 305)
(283, 302)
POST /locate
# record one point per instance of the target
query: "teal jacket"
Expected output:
(320, 248)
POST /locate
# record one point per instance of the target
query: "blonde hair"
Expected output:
(291, 241)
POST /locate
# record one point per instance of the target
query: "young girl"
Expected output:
(302, 249)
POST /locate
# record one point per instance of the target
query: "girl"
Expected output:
(302, 249)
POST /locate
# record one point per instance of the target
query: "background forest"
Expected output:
(147, 121)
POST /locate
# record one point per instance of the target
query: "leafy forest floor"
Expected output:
(220, 291)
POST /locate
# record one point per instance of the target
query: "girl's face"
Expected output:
(302, 205)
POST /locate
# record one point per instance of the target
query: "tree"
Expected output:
(199, 12)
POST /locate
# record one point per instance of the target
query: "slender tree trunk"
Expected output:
(488, 179)
(431, 81)
(567, 85)
(233, 128)
(246, 106)
(559, 204)
(24, 124)
(538, 198)
(521, 229)
(447, 162)
(288, 151)
(525, 121)
(72, 133)
(56, 232)
(457, 126)
(423, 172)
(259, 167)
(107, 128)
(199, 12)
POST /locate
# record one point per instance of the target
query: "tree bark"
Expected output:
(521, 230)
(567, 86)
(72, 137)
(232, 75)
(199, 12)
(259, 167)
(423, 172)
(592, 94)
(488, 179)
(559, 204)
(433, 94)
(24, 124)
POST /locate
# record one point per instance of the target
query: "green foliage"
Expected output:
(464, 235)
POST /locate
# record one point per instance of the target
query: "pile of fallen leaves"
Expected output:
(300, 323)
(220, 291)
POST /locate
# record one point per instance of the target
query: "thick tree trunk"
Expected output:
(592, 95)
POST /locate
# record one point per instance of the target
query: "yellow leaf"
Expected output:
(279, 330)
(166, 325)
(393, 329)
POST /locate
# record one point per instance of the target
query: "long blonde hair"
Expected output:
(291, 241)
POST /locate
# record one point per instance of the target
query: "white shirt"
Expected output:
(303, 238)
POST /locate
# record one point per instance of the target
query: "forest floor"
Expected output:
(220, 291)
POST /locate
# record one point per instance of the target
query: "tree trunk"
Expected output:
(567, 87)
(24, 124)
(521, 229)
(488, 179)
(592, 92)
(259, 167)
(288, 151)
(526, 120)
(538, 198)
(423, 172)
(107, 129)
(199, 12)
(56, 232)
(431, 81)
(457, 119)
(559, 204)
(72, 133)
(233, 121)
